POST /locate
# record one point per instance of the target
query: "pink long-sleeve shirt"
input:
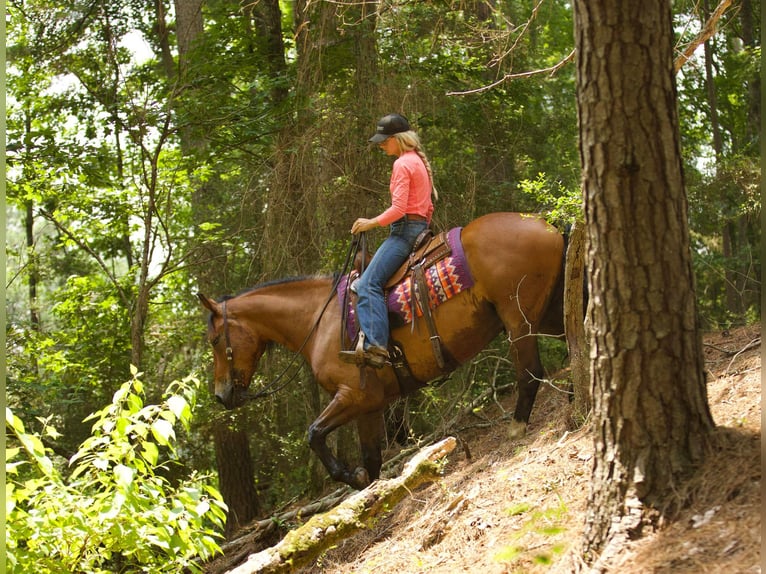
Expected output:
(410, 190)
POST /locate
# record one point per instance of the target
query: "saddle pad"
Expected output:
(445, 278)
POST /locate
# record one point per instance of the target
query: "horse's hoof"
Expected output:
(517, 430)
(360, 478)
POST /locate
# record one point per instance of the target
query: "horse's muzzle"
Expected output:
(231, 396)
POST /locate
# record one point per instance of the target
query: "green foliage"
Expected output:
(114, 510)
(254, 164)
(545, 524)
(560, 204)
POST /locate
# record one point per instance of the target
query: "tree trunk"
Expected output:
(189, 29)
(29, 226)
(753, 126)
(32, 262)
(235, 475)
(574, 323)
(731, 269)
(163, 40)
(651, 417)
(268, 23)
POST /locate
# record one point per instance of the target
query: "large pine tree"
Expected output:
(651, 416)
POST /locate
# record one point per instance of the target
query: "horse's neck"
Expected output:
(285, 313)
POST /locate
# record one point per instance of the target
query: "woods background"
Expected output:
(156, 149)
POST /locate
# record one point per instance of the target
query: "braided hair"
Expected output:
(409, 140)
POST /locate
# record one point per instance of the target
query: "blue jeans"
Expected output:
(371, 306)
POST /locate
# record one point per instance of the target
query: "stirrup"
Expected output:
(375, 358)
(368, 359)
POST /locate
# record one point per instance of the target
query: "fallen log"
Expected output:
(260, 534)
(304, 544)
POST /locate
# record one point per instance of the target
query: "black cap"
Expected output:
(388, 126)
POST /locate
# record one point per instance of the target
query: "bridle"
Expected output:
(277, 385)
(268, 389)
(227, 340)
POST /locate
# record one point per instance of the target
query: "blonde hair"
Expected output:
(408, 141)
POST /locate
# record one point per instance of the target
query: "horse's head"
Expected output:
(236, 350)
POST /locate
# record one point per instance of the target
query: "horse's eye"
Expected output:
(214, 342)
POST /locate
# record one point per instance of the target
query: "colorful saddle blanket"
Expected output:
(445, 278)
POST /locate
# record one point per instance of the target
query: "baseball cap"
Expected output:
(388, 126)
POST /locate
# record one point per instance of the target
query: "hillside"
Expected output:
(519, 506)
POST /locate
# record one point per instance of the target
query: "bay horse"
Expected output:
(516, 261)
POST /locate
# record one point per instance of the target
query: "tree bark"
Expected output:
(235, 476)
(323, 531)
(651, 417)
(574, 323)
(268, 40)
(731, 270)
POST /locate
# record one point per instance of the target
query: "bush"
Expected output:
(112, 512)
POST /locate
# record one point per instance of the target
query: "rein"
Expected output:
(272, 387)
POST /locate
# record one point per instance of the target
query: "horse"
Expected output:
(517, 265)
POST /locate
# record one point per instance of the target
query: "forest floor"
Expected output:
(520, 506)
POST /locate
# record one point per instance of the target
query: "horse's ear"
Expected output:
(208, 303)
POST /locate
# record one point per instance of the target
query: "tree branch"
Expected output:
(90, 251)
(707, 32)
(550, 71)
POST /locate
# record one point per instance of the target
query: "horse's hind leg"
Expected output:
(529, 373)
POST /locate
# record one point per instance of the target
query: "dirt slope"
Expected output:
(520, 506)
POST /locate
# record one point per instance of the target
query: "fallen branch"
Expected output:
(751, 345)
(302, 545)
(259, 535)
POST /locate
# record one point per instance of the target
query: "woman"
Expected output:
(409, 214)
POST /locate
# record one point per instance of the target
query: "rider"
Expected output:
(409, 214)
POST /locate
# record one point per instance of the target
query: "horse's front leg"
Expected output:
(340, 411)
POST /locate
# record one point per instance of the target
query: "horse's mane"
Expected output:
(274, 282)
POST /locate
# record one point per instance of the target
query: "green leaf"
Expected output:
(202, 507)
(135, 403)
(114, 509)
(178, 405)
(150, 452)
(163, 431)
(14, 421)
(507, 553)
(124, 474)
(520, 508)
(12, 467)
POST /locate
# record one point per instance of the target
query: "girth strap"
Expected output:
(420, 292)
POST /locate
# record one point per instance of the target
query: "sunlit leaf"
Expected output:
(162, 431)
(124, 474)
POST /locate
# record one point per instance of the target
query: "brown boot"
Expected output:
(375, 357)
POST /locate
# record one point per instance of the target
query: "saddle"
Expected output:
(427, 250)
(413, 277)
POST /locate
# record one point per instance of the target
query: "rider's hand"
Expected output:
(363, 224)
